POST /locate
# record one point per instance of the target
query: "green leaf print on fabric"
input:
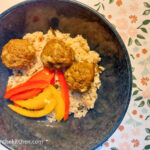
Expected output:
(130, 41)
(147, 117)
(134, 85)
(111, 1)
(144, 30)
(133, 77)
(139, 98)
(147, 137)
(147, 130)
(99, 5)
(137, 42)
(135, 92)
(148, 102)
(114, 148)
(147, 5)
(146, 12)
(140, 36)
(147, 147)
(141, 104)
(146, 22)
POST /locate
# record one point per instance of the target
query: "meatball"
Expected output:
(17, 54)
(56, 54)
(79, 76)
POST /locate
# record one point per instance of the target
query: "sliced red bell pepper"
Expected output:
(65, 92)
(39, 84)
(52, 82)
(17, 105)
(26, 94)
(44, 74)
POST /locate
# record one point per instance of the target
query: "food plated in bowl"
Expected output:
(113, 95)
(54, 61)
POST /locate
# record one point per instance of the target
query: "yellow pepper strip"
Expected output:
(60, 106)
(35, 114)
(37, 102)
(49, 100)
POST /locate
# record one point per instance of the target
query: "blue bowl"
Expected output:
(113, 99)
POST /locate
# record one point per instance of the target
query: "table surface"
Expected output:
(132, 20)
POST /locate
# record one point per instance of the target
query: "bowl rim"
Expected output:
(118, 37)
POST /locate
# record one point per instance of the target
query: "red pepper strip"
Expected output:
(44, 74)
(52, 82)
(40, 84)
(25, 95)
(65, 93)
(36, 109)
(16, 105)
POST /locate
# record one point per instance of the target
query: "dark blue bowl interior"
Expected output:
(113, 96)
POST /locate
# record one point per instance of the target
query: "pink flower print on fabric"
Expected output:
(136, 132)
(124, 146)
(146, 93)
(134, 7)
(125, 136)
(132, 31)
(122, 11)
(122, 23)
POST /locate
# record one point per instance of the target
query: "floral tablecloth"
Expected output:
(131, 18)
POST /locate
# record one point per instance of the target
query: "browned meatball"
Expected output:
(17, 54)
(57, 55)
(79, 76)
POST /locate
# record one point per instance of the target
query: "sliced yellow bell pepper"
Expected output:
(37, 102)
(35, 114)
(50, 99)
(60, 107)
